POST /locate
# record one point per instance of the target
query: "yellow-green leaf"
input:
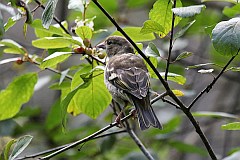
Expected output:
(135, 35)
(54, 59)
(54, 42)
(231, 126)
(93, 99)
(84, 32)
(18, 92)
(178, 93)
(162, 14)
(18, 49)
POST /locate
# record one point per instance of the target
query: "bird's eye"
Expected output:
(109, 42)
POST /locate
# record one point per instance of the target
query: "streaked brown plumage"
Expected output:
(127, 79)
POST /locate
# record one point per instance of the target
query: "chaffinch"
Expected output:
(128, 80)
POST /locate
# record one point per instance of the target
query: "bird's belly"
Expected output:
(118, 95)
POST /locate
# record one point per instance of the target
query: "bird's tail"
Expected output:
(146, 115)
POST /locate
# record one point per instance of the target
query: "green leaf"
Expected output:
(135, 4)
(232, 12)
(150, 70)
(199, 65)
(162, 14)
(189, 11)
(234, 150)
(231, 126)
(20, 145)
(234, 69)
(226, 36)
(234, 156)
(54, 42)
(183, 55)
(54, 118)
(7, 148)
(9, 24)
(135, 35)
(94, 98)
(48, 13)
(28, 112)
(183, 30)
(175, 78)
(18, 92)
(41, 32)
(171, 125)
(214, 114)
(14, 45)
(231, 1)
(77, 80)
(108, 143)
(152, 50)
(66, 101)
(151, 26)
(54, 59)
(63, 85)
(188, 148)
(84, 32)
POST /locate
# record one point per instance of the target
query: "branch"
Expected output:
(90, 137)
(170, 43)
(53, 70)
(137, 140)
(165, 84)
(139, 143)
(54, 17)
(209, 87)
(60, 147)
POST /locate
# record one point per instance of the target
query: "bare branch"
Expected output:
(60, 147)
(209, 87)
(170, 43)
(74, 144)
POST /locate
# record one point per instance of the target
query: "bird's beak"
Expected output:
(101, 45)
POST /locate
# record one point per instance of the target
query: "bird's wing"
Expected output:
(133, 80)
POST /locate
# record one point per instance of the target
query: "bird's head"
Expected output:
(116, 45)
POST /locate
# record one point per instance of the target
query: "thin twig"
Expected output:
(139, 143)
(170, 43)
(170, 102)
(136, 139)
(53, 70)
(165, 84)
(160, 96)
(85, 139)
(54, 17)
(60, 147)
(209, 87)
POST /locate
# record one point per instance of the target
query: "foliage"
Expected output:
(82, 86)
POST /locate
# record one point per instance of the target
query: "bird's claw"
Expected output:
(133, 112)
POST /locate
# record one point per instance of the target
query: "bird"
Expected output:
(127, 79)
